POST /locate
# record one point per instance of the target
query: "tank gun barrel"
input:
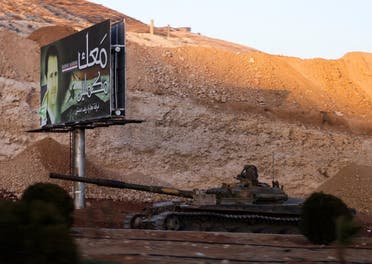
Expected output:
(124, 185)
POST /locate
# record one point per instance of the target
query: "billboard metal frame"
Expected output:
(91, 124)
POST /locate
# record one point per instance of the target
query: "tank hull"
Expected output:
(269, 218)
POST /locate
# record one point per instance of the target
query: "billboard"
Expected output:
(77, 78)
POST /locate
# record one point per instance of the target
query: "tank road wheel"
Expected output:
(133, 221)
(172, 222)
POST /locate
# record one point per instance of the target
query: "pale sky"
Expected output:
(300, 28)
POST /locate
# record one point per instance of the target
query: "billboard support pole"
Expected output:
(78, 142)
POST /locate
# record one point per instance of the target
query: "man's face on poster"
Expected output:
(52, 77)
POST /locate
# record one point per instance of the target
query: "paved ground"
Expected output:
(144, 246)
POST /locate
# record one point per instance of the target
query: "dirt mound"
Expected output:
(46, 35)
(19, 57)
(47, 155)
(33, 165)
(352, 184)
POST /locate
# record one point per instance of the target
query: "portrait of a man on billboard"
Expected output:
(75, 77)
(50, 109)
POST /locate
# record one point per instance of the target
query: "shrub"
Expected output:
(346, 230)
(34, 233)
(319, 215)
(10, 231)
(53, 194)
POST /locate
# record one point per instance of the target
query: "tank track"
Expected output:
(210, 221)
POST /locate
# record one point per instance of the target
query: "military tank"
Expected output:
(245, 206)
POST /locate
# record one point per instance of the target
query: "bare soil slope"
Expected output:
(46, 35)
(325, 92)
(19, 57)
(24, 16)
(353, 183)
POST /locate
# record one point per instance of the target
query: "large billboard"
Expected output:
(76, 77)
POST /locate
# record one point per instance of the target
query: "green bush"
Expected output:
(319, 216)
(53, 194)
(35, 233)
(346, 230)
(10, 232)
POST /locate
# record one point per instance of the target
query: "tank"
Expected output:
(245, 206)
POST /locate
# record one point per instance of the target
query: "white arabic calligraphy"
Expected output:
(88, 90)
(88, 108)
(98, 56)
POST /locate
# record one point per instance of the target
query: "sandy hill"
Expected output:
(331, 93)
(210, 107)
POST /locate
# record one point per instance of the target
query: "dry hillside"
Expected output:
(210, 107)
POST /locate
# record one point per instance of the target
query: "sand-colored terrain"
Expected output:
(210, 107)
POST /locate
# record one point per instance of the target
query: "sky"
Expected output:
(300, 28)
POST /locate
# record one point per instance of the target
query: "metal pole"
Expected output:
(273, 165)
(78, 141)
(152, 26)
